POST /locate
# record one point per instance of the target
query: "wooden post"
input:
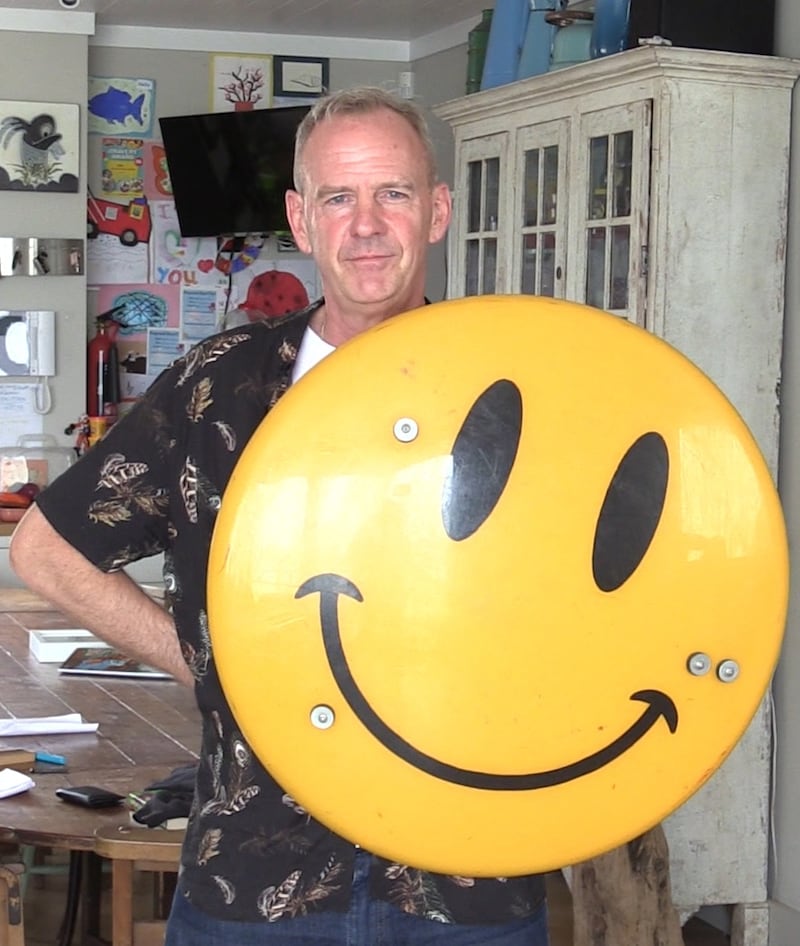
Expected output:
(624, 898)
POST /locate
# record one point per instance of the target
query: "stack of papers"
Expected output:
(45, 725)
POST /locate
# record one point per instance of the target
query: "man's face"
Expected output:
(368, 211)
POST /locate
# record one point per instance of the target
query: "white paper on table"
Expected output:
(13, 782)
(45, 725)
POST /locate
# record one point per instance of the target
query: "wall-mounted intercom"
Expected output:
(27, 343)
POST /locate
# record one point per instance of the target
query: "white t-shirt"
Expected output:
(312, 350)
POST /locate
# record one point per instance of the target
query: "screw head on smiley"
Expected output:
(498, 585)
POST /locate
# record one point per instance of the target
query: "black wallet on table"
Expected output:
(90, 796)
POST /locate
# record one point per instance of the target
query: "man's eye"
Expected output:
(396, 195)
(336, 200)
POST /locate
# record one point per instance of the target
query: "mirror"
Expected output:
(41, 256)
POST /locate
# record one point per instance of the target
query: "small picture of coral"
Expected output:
(240, 83)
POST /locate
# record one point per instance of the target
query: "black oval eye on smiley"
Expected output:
(630, 512)
(483, 454)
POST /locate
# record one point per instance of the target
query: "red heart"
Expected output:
(205, 265)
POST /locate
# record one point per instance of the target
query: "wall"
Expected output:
(181, 76)
(785, 866)
(438, 78)
(42, 67)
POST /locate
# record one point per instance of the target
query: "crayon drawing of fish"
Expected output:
(116, 106)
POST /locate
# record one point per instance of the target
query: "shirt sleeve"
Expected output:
(113, 505)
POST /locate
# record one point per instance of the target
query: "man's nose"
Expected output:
(367, 217)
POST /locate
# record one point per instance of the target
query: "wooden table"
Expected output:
(147, 728)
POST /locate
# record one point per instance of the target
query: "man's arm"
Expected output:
(110, 605)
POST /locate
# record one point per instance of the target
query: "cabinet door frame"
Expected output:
(471, 150)
(529, 138)
(635, 117)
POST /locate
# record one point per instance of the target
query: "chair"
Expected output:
(12, 925)
(129, 849)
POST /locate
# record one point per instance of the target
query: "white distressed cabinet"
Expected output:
(652, 184)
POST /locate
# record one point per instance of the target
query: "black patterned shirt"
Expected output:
(154, 484)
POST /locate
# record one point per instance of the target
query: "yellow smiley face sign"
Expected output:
(497, 585)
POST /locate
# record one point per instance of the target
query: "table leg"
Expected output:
(84, 893)
(67, 927)
(91, 899)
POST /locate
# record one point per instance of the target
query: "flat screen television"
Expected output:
(230, 170)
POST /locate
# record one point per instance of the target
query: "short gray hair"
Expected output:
(361, 101)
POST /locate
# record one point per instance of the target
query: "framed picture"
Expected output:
(300, 76)
(39, 146)
(240, 83)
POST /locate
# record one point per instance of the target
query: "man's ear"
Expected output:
(442, 212)
(297, 220)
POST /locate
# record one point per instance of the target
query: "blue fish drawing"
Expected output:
(115, 105)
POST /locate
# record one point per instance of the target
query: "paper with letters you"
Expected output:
(13, 782)
(45, 725)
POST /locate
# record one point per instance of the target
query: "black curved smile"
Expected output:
(331, 586)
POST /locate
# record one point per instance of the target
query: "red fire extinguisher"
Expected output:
(102, 376)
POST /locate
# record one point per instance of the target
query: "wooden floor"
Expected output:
(44, 902)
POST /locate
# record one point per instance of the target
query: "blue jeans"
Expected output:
(367, 922)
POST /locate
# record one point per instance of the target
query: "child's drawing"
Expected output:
(121, 106)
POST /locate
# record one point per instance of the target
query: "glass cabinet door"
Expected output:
(541, 209)
(609, 216)
(483, 215)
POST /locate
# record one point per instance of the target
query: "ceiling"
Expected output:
(398, 20)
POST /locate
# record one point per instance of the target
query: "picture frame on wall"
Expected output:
(39, 146)
(240, 82)
(300, 76)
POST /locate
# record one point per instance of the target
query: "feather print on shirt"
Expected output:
(227, 433)
(232, 798)
(209, 846)
(416, 893)
(287, 352)
(197, 658)
(200, 400)
(188, 488)
(275, 902)
(226, 887)
(322, 886)
(207, 352)
(122, 478)
(117, 474)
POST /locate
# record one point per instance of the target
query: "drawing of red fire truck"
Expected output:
(130, 222)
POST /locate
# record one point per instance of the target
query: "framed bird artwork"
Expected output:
(39, 146)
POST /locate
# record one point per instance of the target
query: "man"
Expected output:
(256, 868)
